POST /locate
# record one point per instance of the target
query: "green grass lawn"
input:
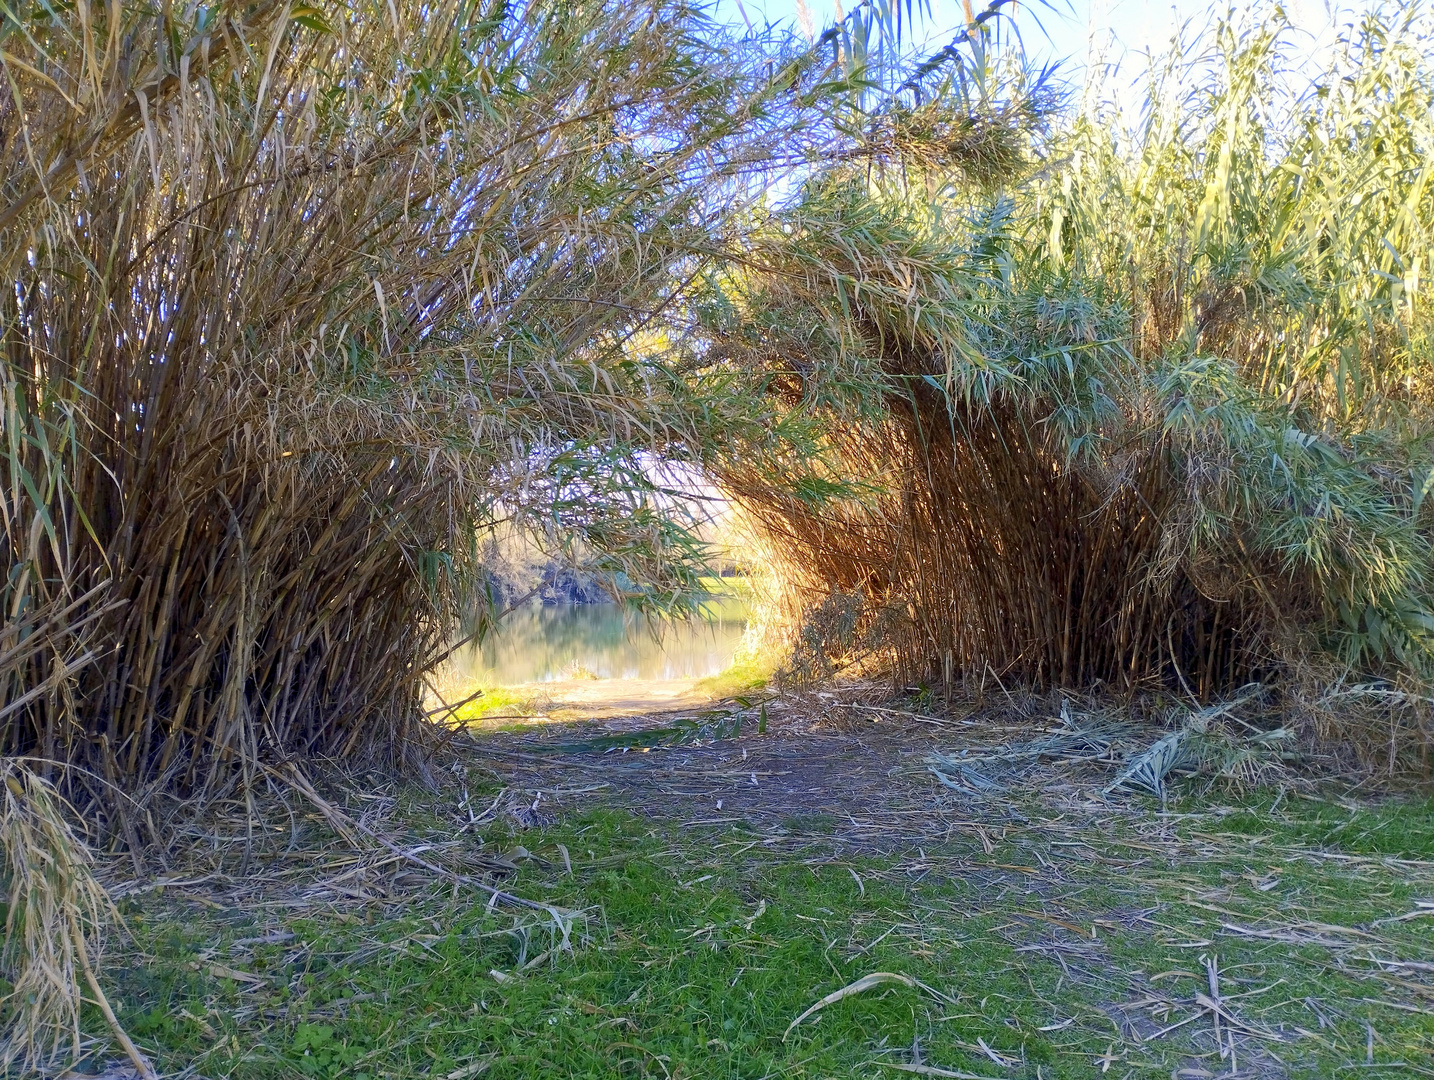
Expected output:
(1030, 952)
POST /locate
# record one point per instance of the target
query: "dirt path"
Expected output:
(813, 763)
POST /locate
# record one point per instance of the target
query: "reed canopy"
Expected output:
(301, 297)
(1145, 405)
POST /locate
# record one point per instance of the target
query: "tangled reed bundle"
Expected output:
(1104, 423)
(299, 297)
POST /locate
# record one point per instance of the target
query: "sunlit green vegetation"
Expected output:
(700, 947)
(748, 672)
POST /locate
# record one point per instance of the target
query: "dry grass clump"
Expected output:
(1154, 414)
(1363, 725)
(54, 910)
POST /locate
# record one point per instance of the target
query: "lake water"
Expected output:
(542, 643)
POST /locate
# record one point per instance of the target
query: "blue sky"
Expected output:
(1063, 29)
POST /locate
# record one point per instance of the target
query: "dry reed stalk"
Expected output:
(994, 554)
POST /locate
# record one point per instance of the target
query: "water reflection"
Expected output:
(541, 643)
